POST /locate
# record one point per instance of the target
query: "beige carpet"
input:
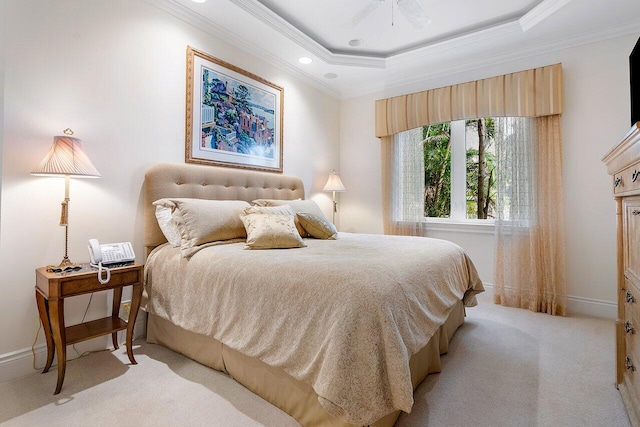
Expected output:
(506, 367)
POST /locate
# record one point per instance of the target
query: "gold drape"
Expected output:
(530, 261)
(530, 93)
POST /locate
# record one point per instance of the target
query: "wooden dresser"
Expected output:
(623, 163)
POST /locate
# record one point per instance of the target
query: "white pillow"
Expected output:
(168, 227)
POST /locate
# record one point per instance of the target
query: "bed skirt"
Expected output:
(294, 397)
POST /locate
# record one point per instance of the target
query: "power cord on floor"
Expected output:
(33, 346)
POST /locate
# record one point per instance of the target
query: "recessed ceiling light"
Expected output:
(198, 1)
(330, 76)
(355, 42)
(304, 60)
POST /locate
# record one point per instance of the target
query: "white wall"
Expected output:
(114, 72)
(596, 116)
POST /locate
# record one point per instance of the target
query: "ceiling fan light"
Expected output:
(414, 13)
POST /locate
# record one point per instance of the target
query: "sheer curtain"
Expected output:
(530, 261)
(403, 183)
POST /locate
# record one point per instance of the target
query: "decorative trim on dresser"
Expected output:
(623, 163)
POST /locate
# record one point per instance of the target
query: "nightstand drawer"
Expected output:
(90, 284)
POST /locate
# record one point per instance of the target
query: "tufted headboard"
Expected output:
(209, 182)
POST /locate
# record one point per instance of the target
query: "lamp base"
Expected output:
(65, 265)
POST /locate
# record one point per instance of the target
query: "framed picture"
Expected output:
(234, 118)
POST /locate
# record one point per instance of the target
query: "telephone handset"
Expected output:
(107, 254)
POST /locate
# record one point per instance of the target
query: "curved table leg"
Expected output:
(56, 312)
(43, 311)
(115, 311)
(136, 297)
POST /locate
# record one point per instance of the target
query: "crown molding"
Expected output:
(393, 85)
(266, 15)
(420, 56)
(541, 12)
(187, 15)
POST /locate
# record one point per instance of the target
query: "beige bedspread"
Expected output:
(342, 315)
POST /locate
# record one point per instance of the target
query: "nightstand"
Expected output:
(53, 288)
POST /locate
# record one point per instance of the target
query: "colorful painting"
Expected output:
(234, 118)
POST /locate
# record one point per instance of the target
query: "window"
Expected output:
(459, 165)
(459, 160)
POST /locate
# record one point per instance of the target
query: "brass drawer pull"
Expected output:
(629, 298)
(635, 212)
(617, 182)
(628, 328)
(629, 365)
(634, 176)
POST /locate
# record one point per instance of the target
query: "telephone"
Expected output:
(107, 254)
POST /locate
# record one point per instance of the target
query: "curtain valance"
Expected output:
(530, 93)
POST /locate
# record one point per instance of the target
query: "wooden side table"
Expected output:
(53, 288)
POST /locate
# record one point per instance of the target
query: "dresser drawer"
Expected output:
(627, 180)
(631, 372)
(631, 231)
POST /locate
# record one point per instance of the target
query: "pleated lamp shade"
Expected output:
(334, 183)
(66, 158)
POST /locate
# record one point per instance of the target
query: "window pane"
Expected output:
(481, 186)
(437, 170)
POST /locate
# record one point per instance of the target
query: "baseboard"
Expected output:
(20, 362)
(591, 307)
(579, 306)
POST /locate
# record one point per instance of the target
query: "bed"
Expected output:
(337, 333)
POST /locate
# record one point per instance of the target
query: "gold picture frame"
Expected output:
(233, 118)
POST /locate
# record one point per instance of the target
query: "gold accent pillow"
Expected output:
(271, 231)
(317, 227)
(203, 221)
(299, 205)
(277, 210)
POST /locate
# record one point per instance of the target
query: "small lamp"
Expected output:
(334, 184)
(66, 159)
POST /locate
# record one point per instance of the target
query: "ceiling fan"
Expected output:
(411, 9)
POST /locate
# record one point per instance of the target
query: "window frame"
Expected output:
(457, 220)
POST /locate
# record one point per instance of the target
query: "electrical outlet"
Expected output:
(125, 308)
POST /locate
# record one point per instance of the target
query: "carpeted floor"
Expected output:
(506, 367)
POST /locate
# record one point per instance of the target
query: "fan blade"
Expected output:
(366, 11)
(414, 13)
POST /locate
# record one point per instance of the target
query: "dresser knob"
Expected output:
(635, 212)
(634, 176)
(629, 297)
(617, 182)
(629, 365)
(628, 328)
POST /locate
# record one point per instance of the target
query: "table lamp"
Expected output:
(334, 184)
(67, 159)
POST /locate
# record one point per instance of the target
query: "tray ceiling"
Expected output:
(386, 50)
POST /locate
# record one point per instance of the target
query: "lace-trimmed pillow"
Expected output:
(271, 231)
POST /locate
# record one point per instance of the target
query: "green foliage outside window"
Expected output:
(437, 170)
(480, 169)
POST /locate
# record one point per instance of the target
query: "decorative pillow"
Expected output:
(299, 205)
(271, 231)
(277, 210)
(168, 227)
(202, 221)
(317, 227)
